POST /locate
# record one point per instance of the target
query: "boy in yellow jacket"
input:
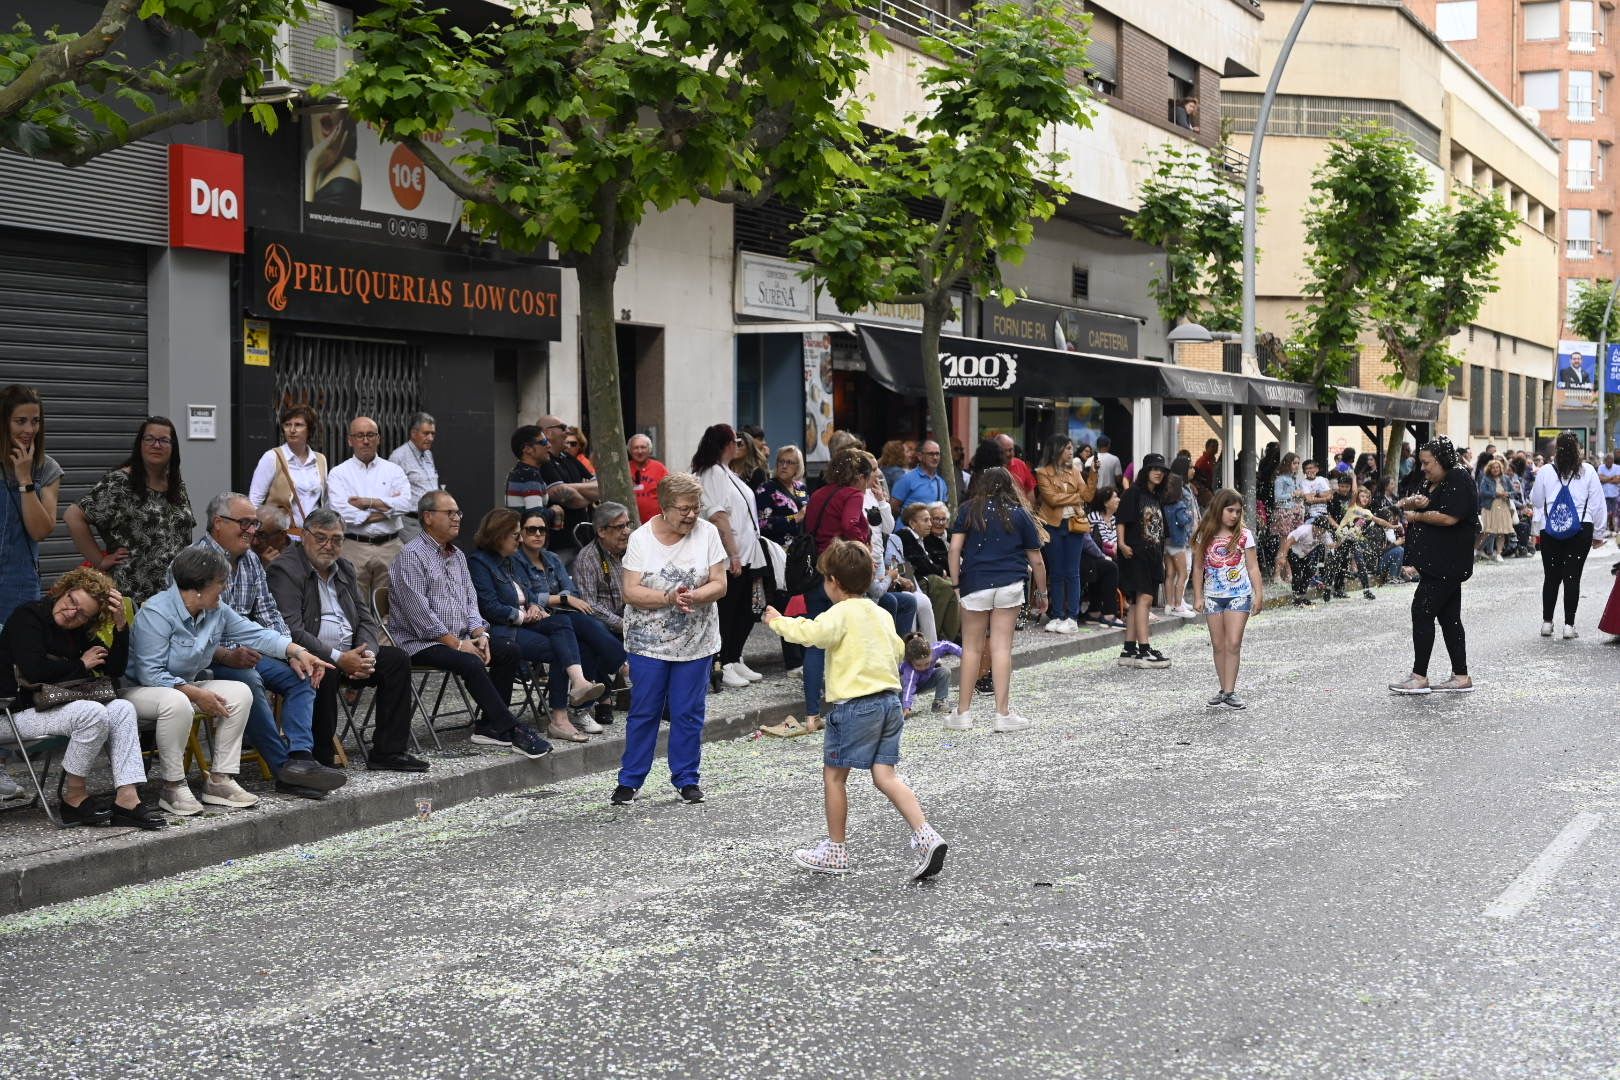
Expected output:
(864, 717)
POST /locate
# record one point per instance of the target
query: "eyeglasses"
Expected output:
(160, 442)
(252, 524)
(684, 511)
(534, 530)
(324, 539)
(365, 436)
(79, 613)
(451, 513)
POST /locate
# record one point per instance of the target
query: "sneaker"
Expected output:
(1411, 686)
(1218, 701)
(1454, 685)
(959, 722)
(930, 849)
(1570, 634)
(225, 791)
(1068, 626)
(1053, 626)
(1367, 594)
(622, 795)
(1186, 611)
(1127, 656)
(485, 737)
(730, 676)
(1151, 658)
(1303, 601)
(528, 742)
(692, 793)
(1233, 702)
(603, 712)
(825, 858)
(1496, 558)
(1011, 722)
(178, 800)
(985, 684)
(939, 706)
(587, 723)
(1546, 629)
(9, 788)
(1339, 594)
(747, 672)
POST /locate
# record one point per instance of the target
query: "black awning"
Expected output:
(1368, 405)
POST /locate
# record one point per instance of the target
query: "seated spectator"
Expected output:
(599, 569)
(271, 539)
(53, 640)
(938, 541)
(174, 642)
(433, 615)
(549, 585)
(1099, 573)
(318, 594)
(301, 762)
(521, 617)
(931, 571)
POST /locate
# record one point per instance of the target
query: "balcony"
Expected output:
(1580, 180)
(914, 18)
(1581, 111)
(1578, 249)
(1583, 41)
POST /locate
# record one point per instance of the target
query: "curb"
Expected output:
(73, 873)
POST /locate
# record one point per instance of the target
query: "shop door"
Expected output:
(341, 378)
(73, 326)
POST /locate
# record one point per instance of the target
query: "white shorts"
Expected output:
(1008, 596)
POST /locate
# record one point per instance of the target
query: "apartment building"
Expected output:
(1376, 61)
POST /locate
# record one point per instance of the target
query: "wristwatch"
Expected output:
(26, 488)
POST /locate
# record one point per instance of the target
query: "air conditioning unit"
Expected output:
(306, 63)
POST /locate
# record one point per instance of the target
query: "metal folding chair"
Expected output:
(48, 746)
(379, 608)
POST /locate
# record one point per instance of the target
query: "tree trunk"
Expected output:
(934, 310)
(1392, 448)
(598, 272)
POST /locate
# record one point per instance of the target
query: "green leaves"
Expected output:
(1585, 311)
(1196, 218)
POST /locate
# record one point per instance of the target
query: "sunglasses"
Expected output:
(534, 530)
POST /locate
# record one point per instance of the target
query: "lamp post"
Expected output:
(1191, 333)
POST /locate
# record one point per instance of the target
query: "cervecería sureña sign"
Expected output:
(305, 277)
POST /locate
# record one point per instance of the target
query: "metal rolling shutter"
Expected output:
(73, 326)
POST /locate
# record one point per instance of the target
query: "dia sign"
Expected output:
(205, 199)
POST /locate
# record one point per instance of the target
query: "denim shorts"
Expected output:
(1219, 605)
(863, 732)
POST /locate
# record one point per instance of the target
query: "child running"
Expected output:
(921, 671)
(864, 716)
(1227, 586)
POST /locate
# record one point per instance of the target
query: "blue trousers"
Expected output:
(551, 642)
(297, 708)
(601, 653)
(1063, 572)
(902, 607)
(682, 687)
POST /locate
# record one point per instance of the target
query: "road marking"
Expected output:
(1518, 896)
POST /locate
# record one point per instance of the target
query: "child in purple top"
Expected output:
(920, 670)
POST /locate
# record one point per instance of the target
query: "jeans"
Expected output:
(491, 688)
(601, 652)
(680, 686)
(297, 729)
(939, 680)
(902, 607)
(1063, 572)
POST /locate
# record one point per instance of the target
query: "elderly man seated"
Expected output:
(318, 594)
(599, 577)
(433, 615)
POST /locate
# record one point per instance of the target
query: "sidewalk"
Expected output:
(43, 865)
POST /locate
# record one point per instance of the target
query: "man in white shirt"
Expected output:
(415, 456)
(371, 494)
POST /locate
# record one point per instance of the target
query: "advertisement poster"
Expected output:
(357, 185)
(1547, 437)
(1577, 367)
(818, 396)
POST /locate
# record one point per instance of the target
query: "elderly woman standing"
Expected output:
(28, 511)
(175, 635)
(53, 640)
(674, 572)
(728, 505)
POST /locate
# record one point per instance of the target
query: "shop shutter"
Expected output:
(73, 326)
(341, 378)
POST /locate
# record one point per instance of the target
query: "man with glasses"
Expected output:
(599, 576)
(371, 494)
(923, 484)
(415, 457)
(318, 593)
(645, 472)
(572, 486)
(302, 766)
(433, 616)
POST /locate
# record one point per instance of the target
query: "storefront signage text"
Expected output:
(988, 372)
(1053, 326)
(773, 288)
(205, 199)
(893, 314)
(304, 277)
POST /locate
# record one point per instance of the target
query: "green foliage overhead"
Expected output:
(1586, 308)
(1196, 219)
(68, 94)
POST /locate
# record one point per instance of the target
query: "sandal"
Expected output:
(1113, 622)
(788, 729)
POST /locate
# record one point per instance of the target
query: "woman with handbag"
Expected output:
(61, 676)
(292, 475)
(28, 508)
(1061, 495)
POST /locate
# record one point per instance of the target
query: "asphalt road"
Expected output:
(1324, 885)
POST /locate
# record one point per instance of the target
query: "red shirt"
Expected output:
(1020, 472)
(645, 480)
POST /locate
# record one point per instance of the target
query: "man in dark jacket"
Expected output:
(319, 597)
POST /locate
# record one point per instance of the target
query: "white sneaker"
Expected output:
(1068, 626)
(227, 792)
(730, 676)
(825, 858)
(1569, 633)
(1053, 626)
(1496, 558)
(1011, 722)
(747, 672)
(929, 847)
(178, 800)
(1546, 629)
(959, 721)
(587, 723)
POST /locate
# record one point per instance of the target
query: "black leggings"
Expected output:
(1438, 601)
(1561, 564)
(1343, 559)
(737, 617)
(1100, 584)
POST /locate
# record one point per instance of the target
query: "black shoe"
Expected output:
(86, 813)
(985, 685)
(299, 791)
(528, 742)
(622, 795)
(1303, 601)
(309, 773)
(692, 793)
(142, 817)
(603, 712)
(1151, 658)
(1367, 594)
(1339, 594)
(401, 762)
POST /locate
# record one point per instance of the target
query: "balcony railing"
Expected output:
(912, 17)
(1583, 41)
(1580, 179)
(1580, 110)
(1578, 249)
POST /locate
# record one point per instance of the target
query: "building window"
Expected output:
(1541, 21)
(1476, 399)
(1457, 21)
(1080, 284)
(1578, 234)
(1578, 154)
(1515, 405)
(1498, 411)
(1582, 26)
(1321, 117)
(1541, 90)
(1581, 97)
(1456, 385)
(1102, 55)
(1183, 88)
(1532, 407)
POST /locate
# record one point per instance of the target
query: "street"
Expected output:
(1323, 885)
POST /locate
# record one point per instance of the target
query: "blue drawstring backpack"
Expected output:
(1563, 519)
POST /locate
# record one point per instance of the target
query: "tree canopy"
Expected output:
(1196, 218)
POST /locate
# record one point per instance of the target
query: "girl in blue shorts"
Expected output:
(1226, 586)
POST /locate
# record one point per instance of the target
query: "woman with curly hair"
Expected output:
(1441, 520)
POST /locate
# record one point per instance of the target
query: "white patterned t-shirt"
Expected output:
(1226, 567)
(667, 633)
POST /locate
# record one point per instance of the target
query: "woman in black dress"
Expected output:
(1441, 522)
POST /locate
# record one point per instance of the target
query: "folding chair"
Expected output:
(379, 608)
(48, 746)
(202, 727)
(355, 724)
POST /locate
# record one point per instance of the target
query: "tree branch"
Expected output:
(62, 62)
(483, 194)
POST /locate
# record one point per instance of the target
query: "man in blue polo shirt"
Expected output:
(922, 484)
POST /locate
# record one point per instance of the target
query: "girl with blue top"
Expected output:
(995, 548)
(1180, 515)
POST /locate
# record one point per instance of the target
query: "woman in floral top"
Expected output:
(141, 511)
(781, 501)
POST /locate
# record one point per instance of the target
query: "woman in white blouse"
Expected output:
(1568, 526)
(293, 475)
(728, 505)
